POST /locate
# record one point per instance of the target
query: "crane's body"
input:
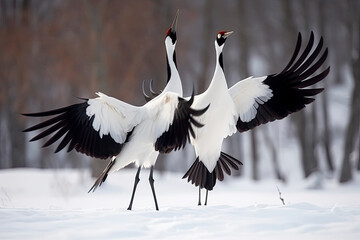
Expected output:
(220, 118)
(247, 104)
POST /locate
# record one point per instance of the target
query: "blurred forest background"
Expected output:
(54, 51)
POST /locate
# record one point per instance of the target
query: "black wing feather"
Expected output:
(179, 131)
(74, 125)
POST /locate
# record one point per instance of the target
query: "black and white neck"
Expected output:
(218, 80)
(173, 81)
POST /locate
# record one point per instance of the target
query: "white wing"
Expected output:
(112, 116)
(248, 94)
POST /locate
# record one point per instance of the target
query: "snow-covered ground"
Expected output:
(54, 204)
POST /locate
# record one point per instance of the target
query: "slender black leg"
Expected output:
(206, 197)
(137, 180)
(151, 180)
(199, 203)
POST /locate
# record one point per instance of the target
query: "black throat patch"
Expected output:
(168, 69)
(221, 61)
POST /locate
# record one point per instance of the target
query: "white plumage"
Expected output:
(148, 123)
(247, 95)
(112, 116)
(219, 120)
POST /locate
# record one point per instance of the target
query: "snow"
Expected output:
(54, 204)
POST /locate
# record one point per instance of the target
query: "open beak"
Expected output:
(174, 23)
(227, 34)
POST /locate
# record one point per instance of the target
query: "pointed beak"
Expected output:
(174, 23)
(227, 34)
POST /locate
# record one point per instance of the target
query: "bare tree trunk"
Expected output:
(15, 125)
(274, 155)
(5, 146)
(326, 136)
(327, 132)
(244, 71)
(17, 141)
(254, 156)
(206, 53)
(314, 138)
(307, 132)
(358, 152)
(352, 130)
(303, 133)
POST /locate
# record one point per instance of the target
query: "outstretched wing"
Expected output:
(97, 127)
(265, 99)
(179, 125)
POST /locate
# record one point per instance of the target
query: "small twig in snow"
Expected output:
(282, 199)
(5, 199)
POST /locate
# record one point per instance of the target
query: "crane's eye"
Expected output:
(219, 35)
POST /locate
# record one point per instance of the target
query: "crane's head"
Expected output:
(171, 32)
(222, 36)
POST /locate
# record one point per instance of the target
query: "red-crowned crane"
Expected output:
(247, 104)
(105, 127)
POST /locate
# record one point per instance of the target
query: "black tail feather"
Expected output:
(224, 166)
(102, 176)
(199, 175)
(219, 172)
(232, 161)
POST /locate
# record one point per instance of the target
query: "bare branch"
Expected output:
(282, 199)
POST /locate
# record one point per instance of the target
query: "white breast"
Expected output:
(220, 122)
